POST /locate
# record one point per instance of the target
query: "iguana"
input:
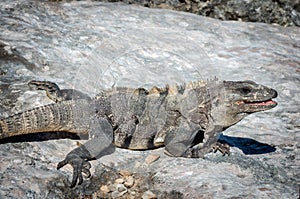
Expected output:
(183, 118)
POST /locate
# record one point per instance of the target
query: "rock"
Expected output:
(125, 173)
(121, 188)
(113, 188)
(151, 158)
(129, 182)
(149, 195)
(132, 193)
(283, 12)
(119, 181)
(105, 189)
(90, 46)
(120, 191)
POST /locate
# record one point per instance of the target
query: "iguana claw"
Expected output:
(80, 165)
(222, 147)
(77, 163)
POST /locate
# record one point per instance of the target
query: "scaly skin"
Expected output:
(185, 119)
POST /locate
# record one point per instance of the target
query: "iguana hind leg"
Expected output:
(55, 93)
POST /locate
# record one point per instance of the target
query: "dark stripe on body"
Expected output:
(181, 89)
(150, 143)
(1, 132)
(126, 142)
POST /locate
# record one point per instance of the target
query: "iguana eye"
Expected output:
(245, 90)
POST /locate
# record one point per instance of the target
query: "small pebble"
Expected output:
(151, 158)
(133, 193)
(149, 195)
(112, 187)
(119, 181)
(105, 189)
(121, 188)
(129, 182)
(125, 173)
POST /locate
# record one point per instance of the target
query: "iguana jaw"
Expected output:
(255, 106)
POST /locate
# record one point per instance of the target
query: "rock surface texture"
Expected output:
(90, 46)
(283, 12)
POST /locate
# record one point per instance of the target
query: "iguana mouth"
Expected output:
(254, 106)
(269, 102)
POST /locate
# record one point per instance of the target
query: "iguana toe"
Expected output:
(222, 147)
(86, 169)
(79, 166)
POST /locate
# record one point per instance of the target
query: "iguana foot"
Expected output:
(180, 150)
(79, 161)
(222, 147)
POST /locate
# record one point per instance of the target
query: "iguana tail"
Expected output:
(63, 116)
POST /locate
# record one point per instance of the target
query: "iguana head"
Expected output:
(243, 98)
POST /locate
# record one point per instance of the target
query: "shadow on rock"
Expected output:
(44, 136)
(247, 145)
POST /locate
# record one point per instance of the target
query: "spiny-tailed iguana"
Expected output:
(185, 119)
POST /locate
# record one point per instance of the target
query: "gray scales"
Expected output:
(184, 118)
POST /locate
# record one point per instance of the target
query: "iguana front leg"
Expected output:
(180, 140)
(101, 144)
(210, 143)
(55, 93)
(194, 144)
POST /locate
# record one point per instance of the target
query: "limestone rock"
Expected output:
(105, 189)
(152, 158)
(149, 195)
(90, 46)
(125, 173)
(129, 181)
